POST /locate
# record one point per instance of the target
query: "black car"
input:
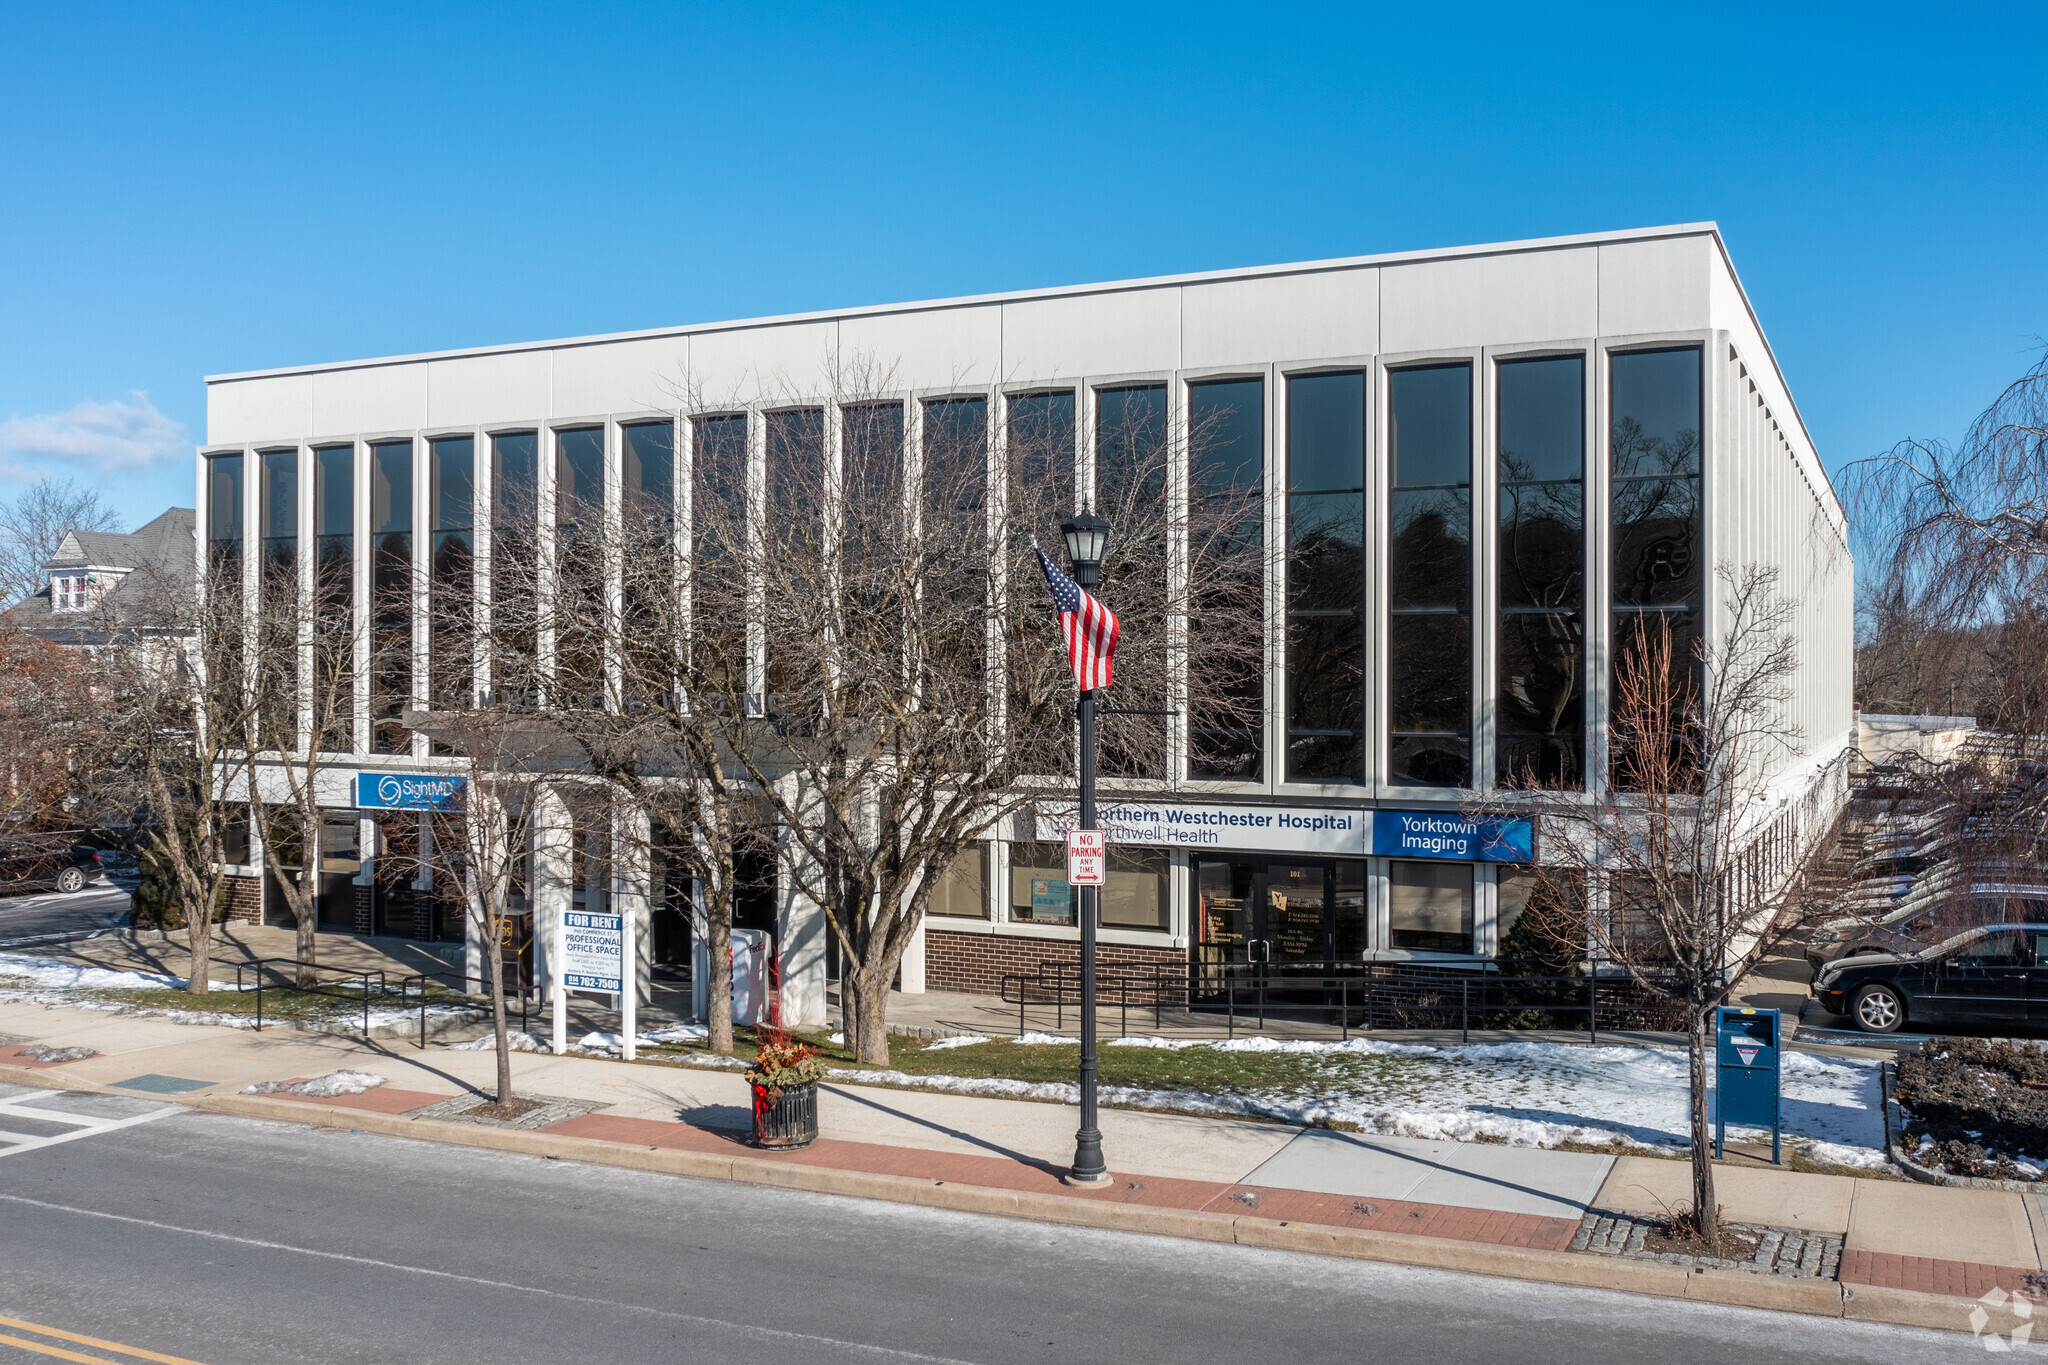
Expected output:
(1995, 975)
(32, 865)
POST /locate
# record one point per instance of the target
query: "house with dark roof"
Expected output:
(99, 578)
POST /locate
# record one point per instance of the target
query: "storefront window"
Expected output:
(961, 893)
(1430, 906)
(1134, 898)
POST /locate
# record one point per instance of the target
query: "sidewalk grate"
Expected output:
(553, 1110)
(1780, 1251)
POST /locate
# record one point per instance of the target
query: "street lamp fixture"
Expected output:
(1087, 536)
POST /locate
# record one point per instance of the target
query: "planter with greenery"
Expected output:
(785, 1077)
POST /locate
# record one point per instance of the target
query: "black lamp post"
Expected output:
(1087, 535)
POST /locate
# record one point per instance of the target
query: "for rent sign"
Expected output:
(593, 951)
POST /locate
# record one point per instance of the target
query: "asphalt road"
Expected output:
(32, 915)
(222, 1240)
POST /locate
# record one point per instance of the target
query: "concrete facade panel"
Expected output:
(372, 398)
(1123, 333)
(790, 360)
(946, 348)
(473, 390)
(1488, 300)
(259, 409)
(1655, 286)
(1293, 317)
(624, 376)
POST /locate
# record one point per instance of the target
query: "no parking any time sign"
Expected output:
(1086, 853)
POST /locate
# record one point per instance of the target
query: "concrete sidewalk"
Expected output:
(1389, 1197)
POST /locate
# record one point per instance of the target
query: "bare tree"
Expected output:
(34, 523)
(865, 600)
(1955, 607)
(1676, 870)
(167, 731)
(43, 688)
(301, 654)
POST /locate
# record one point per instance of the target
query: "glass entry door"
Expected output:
(1268, 919)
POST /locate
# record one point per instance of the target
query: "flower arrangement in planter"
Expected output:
(785, 1077)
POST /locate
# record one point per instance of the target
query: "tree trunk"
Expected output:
(498, 1020)
(718, 990)
(867, 1022)
(199, 939)
(306, 913)
(1700, 1040)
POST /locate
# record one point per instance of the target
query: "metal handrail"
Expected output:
(262, 962)
(1256, 989)
(404, 989)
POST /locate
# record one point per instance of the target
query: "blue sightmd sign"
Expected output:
(1436, 834)
(408, 791)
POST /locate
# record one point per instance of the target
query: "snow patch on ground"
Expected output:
(342, 1082)
(1526, 1094)
(959, 1040)
(519, 1042)
(1044, 1040)
(43, 971)
(610, 1044)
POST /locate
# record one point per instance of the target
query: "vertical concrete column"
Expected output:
(911, 972)
(483, 824)
(552, 893)
(632, 881)
(700, 955)
(801, 930)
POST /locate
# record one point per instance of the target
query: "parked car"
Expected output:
(30, 864)
(1902, 931)
(1995, 975)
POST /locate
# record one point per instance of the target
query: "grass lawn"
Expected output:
(338, 1004)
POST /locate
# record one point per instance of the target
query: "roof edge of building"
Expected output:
(1523, 247)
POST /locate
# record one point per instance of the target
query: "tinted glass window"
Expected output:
(391, 487)
(334, 491)
(1226, 477)
(579, 476)
(1429, 569)
(280, 494)
(454, 487)
(224, 497)
(649, 467)
(1542, 558)
(1326, 578)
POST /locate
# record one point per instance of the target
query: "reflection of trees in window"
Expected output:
(1655, 453)
(515, 562)
(1429, 576)
(578, 590)
(1326, 578)
(277, 507)
(796, 526)
(451, 573)
(1038, 450)
(647, 502)
(1226, 474)
(334, 587)
(1131, 451)
(1542, 570)
(953, 549)
(224, 557)
(391, 582)
(718, 591)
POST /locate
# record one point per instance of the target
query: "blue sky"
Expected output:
(201, 189)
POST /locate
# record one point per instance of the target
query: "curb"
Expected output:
(1818, 1298)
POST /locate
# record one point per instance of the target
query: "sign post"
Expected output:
(593, 955)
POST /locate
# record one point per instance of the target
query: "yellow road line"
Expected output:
(56, 1351)
(136, 1351)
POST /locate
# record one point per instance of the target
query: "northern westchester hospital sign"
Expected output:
(1327, 831)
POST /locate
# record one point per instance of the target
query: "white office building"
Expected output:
(1506, 455)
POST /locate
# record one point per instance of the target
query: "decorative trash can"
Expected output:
(786, 1117)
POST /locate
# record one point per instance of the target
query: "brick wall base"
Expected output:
(976, 963)
(1380, 995)
(245, 900)
(366, 910)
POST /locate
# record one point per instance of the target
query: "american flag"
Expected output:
(1091, 628)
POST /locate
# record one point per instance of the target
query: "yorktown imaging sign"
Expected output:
(1326, 831)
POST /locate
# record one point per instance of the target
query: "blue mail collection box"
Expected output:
(1747, 1057)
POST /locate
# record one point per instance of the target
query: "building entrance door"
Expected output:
(1278, 924)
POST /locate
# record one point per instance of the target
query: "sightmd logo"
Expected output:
(403, 791)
